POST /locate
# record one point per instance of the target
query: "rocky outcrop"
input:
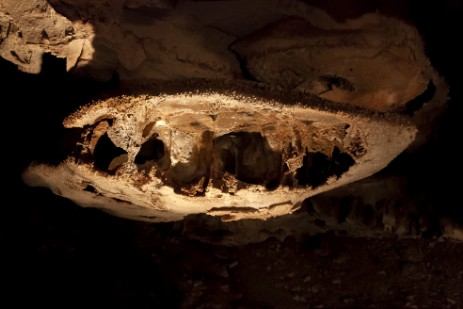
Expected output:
(374, 61)
(28, 29)
(283, 101)
(159, 158)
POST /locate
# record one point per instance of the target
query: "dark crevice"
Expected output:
(45, 35)
(234, 209)
(314, 170)
(230, 162)
(341, 162)
(317, 167)
(415, 104)
(69, 31)
(235, 161)
(272, 184)
(67, 144)
(91, 189)
(244, 67)
(105, 152)
(16, 56)
(151, 150)
(119, 200)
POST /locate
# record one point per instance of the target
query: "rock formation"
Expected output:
(236, 109)
(167, 156)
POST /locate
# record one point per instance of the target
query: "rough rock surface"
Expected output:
(363, 87)
(163, 157)
(59, 255)
(374, 61)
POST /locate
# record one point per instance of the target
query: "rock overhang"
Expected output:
(324, 102)
(161, 157)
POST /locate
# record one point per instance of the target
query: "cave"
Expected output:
(232, 154)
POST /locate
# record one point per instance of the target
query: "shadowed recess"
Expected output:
(151, 150)
(105, 152)
(317, 167)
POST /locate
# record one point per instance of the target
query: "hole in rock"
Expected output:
(148, 217)
(249, 158)
(105, 152)
(317, 167)
(90, 188)
(151, 150)
(341, 161)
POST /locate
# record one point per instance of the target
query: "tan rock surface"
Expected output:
(213, 151)
(375, 63)
(160, 158)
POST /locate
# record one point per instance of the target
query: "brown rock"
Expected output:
(160, 158)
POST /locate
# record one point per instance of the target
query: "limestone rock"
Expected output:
(227, 154)
(373, 61)
(376, 63)
(296, 103)
(30, 28)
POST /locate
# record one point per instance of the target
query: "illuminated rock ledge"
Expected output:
(160, 158)
(297, 102)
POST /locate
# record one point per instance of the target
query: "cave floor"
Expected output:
(68, 257)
